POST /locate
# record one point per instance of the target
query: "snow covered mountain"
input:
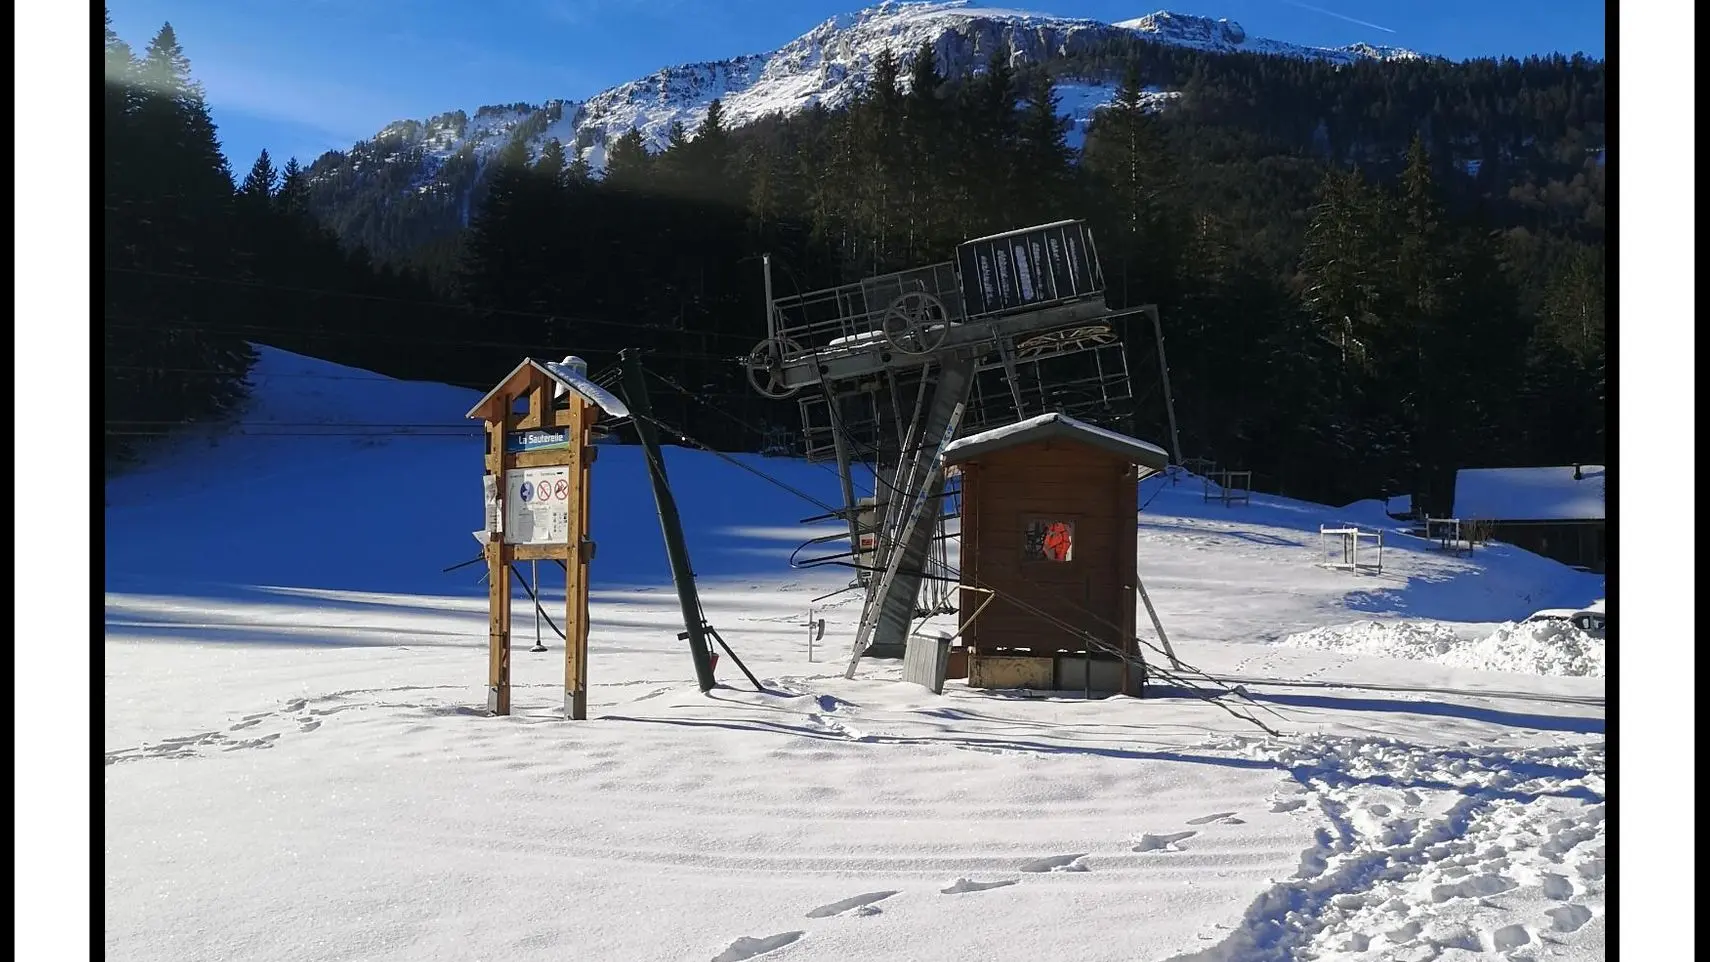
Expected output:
(827, 65)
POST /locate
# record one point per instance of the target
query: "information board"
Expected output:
(537, 505)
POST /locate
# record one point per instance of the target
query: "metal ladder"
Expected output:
(905, 542)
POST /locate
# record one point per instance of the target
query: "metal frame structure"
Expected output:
(1348, 541)
(891, 368)
(1448, 534)
(1227, 491)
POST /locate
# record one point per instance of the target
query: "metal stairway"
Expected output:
(909, 522)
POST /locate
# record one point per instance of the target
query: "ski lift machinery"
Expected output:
(890, 368)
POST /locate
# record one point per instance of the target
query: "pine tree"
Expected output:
(168, 85)
(1424, 275)
(628, 163)
(1044, 157)
(169, 243)
(118, 125)
(926, 190)
(262, 181)
(1342, 266)
(578, 172)
(550, 167)
(984, 161)
(1127, 157)
(1572, 311)
(876, 169)
(713, 158)
(292, 198)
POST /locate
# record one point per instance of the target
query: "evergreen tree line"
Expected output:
(1340, 321)
(1515, 133)
(197, 268)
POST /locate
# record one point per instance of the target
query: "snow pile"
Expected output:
(1534, 648)
(1416, 640)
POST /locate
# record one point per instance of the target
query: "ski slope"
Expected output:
(299, 765)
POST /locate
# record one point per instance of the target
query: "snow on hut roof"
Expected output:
(1530, 494)
(1048, 427)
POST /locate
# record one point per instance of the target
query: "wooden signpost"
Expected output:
(539, 456)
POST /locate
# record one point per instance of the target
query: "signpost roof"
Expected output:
(569, 375)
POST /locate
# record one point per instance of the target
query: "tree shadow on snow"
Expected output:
(1595, 701)
(300, 636)
(1147, 524)
(1578, 725)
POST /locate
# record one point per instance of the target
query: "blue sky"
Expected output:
(302, 78)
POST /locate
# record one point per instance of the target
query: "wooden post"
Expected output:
(1128, 507)
(498, 580)
(576, 569)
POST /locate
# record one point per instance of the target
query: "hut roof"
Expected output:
(1052, 427)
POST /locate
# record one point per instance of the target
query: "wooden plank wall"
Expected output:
(1094, 590)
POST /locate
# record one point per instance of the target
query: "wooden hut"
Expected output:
(1553, 511)
(1049, 515)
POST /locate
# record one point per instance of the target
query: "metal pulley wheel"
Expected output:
(916, 323)
(766, 367)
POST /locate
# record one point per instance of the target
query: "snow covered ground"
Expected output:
(299, 766)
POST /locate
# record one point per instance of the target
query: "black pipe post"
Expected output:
(670, 524)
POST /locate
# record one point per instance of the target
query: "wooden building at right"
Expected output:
(1556, 512)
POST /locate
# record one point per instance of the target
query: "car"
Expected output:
(1590, 619)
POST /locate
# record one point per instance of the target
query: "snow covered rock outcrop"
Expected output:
(827, 65)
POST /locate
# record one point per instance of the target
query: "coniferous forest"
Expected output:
(1348, 312)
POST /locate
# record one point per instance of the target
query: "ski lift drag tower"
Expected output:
(890, 368)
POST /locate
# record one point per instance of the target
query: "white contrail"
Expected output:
(1338, 16)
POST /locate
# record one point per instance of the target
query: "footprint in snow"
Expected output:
(1227, 818)
(1162, 843)
(1510, 937)
(1568, 918)
(748, 947)
(963, 885)
(862, 904)
(1056, 863)
(1557, 886)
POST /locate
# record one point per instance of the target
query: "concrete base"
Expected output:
(1061, 672)
(1011, 671)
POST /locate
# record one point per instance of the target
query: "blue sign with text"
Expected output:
(543, 439)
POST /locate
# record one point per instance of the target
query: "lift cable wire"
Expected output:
(444, 305)
(680, 436)
(831, 511)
